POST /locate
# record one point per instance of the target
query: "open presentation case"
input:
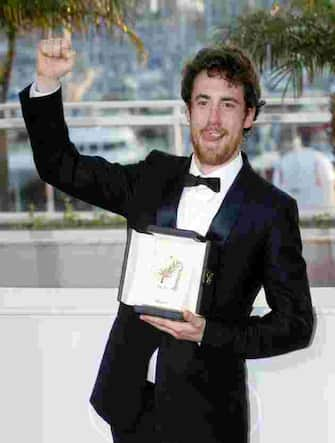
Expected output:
(163, 271)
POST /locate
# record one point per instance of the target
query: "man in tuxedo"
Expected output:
(199, 391)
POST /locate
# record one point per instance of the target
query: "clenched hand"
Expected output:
(55, 58)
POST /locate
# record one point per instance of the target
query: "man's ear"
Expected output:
(249, 118)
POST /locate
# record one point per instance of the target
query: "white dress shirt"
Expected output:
(199, 204)
(197, 207)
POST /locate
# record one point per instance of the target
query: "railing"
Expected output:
(306, 111)
(91, 114)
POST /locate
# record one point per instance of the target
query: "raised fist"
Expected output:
(55, 58)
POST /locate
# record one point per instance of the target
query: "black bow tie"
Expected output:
(212, 182)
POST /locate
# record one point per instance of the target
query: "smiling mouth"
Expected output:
(211, 135)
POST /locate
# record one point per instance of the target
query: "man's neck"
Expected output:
(207, 169)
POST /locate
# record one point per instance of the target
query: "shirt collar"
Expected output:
(224, 172)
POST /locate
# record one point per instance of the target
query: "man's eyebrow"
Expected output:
(197, 97)
(230, 99)
(223, 99)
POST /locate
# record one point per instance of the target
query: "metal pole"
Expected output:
(50, 195)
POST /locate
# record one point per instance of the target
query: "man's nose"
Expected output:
(214, 114)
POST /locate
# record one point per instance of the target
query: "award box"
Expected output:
(163, 271)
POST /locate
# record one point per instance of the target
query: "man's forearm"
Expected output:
(290, 323)
(46, 84)
(35, 92)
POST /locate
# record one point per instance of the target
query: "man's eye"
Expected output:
(228, 105)
(202, 103)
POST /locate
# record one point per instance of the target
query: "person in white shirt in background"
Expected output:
(308, 176)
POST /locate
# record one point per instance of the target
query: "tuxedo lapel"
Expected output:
(167, 212)
(230, 208)
(228, 212)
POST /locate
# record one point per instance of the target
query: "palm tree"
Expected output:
(289, 40)
(19, 16)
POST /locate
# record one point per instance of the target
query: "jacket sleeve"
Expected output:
(92, 179)
(289, 324)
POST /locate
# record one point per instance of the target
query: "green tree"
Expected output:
(289, 40)
(20, 16)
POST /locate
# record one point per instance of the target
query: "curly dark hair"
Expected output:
(233, 64)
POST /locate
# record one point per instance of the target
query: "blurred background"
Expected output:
(123, 99)
(112, 85)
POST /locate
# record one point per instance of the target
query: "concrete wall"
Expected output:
(319, 253)
(68, 258)
(92, 258)
(52, 340)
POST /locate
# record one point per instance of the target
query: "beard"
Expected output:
(215, 156)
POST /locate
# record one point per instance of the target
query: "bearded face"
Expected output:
(217, 116)
(215, 146)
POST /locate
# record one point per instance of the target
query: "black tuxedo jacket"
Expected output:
(201, 392)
